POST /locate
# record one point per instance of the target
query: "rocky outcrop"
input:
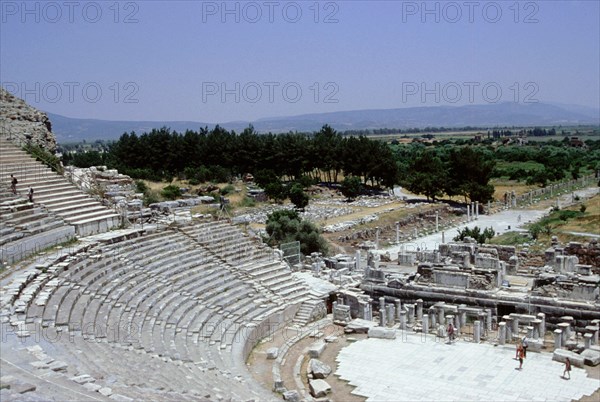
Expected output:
(23, 123)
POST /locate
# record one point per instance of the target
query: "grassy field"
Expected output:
(561, 224)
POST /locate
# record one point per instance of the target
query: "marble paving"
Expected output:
(413, 368)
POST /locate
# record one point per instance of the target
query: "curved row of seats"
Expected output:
(259, 263)
(162, 299)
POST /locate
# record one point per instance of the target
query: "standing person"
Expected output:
(518, 350)
(567, 369)
(13, 184)
(30, 194)
(521, 358)
(450, 332)
(524, 342)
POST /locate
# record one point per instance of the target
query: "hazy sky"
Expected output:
(215, 61)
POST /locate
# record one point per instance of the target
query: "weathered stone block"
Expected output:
(316, 349)
(319, 388)
(591, 357)
(272, 353)
(560, 355)
(318, 369)
(382, 333)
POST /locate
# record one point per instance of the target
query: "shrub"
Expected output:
(171, 192)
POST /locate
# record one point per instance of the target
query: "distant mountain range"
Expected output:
(506, 114)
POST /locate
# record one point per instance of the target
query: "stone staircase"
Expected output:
(54, 192)
(305, 313)
(27, 228)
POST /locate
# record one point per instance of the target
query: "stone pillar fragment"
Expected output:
(403, 320)
(398, 304)
(426, 324)
(433, 317)
(542, 318)
(410, 313)
(536, 328)
(419, 309)
(382, 320)
(476, 331)
(502, 333)
(566, 329)
(587, 340)
(382, 303)
(390, 314)
(509, 326)
(557, 338)
(530, 332)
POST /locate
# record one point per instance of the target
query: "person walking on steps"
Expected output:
(13, 184)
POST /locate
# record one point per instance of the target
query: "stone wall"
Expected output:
(23, 123)
(587, 253)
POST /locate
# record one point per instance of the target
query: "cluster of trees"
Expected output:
(208, 155)
(285, 226)
(548, 162)
(450, 170)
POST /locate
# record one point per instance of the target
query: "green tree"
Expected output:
(284, 226)
(475, 233)
(351, 187)
(298, 197)
(470, 172)
(426, 175)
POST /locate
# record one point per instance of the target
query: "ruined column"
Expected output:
(382, 303)
(502, 333)
(443, 238)
(529, 332)
(536, 328)
(509, 326)
(390, 314)
(515, 326)
(426, 324)
(437, 221)
(476, 331)
(450, 319)
(433, 319)
(462, 314)
(398, 304)
(489, 319)
(468, 213)
(419, 309)
(397, 232)
(382, 320)
(440, 311)
(489, 207)
(416, 234)
(457, 325)
(476, 209)
(542, 317)
(565, 328)
(411, 313)
(403, 320)
(557, 338)
(587, 340)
